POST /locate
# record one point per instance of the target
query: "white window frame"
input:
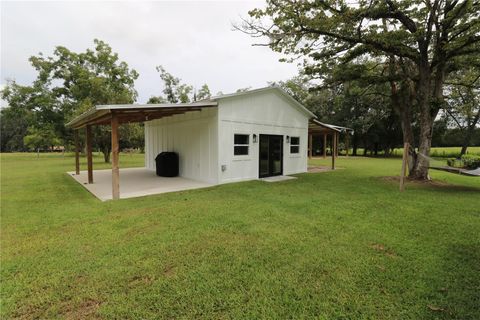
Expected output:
(241, 156)
(294, 145)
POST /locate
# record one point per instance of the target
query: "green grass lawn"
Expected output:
(335, 245)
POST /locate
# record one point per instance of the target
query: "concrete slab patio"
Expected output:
(134, 182)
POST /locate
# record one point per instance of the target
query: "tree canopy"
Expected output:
(67, 84)
(419, 42)
(174, 91)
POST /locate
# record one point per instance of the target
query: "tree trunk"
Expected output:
(427, 116)
(402, 99)
(386, 151)
(466, 140)
(354, 146)
(407, 133)
(430, 101)
(106, 153)
(420, 170)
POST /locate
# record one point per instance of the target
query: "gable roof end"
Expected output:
(264, 89)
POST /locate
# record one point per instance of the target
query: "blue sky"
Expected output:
(194, 41)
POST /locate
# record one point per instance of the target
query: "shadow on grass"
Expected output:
(437, 185)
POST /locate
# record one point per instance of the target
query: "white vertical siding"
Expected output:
(266, 112)
(204, 139)
(193, 135)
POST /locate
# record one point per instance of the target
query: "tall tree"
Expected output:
(14, 124)
(16, 118)
(463, 103)
(431, 35)
(203, 93)
(156, 100)
(30, 108)
(41, 138)
(357, 103)
(380, 84)
(79, 81)
(173, 89)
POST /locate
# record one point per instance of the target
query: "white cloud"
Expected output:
(192, 40)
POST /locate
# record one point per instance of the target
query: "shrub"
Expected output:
(471, 161)
(451, 162)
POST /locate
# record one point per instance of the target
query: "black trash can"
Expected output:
(167, 164)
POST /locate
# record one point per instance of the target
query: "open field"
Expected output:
(441, 152)
(445, 152)
(334, 245)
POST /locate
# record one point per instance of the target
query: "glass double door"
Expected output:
(271, 155)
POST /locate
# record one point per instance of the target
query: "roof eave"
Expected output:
(331, 126)
(79, 121)
(155, 106)
(102, 110)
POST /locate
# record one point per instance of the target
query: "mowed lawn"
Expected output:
(335, 245)
(451, 152)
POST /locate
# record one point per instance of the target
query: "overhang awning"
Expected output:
(102, 114)
(317, 127)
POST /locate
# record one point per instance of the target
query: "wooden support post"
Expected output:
(89, 154)
(324, 145)
(115, 156)
(310, 143)
(77, 152)
(337, 140)
(334, 149)
(406, 147)
(347, 138)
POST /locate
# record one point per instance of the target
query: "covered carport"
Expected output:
(113, 116)
(317, 129)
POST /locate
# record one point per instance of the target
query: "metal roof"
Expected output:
(100, 114)
(330, 127)
(150, 106)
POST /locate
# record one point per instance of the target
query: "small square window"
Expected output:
(294, 145)
(241, 139)
(241, 144)
(240, 150)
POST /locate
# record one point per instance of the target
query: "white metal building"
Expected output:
(241, 136)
